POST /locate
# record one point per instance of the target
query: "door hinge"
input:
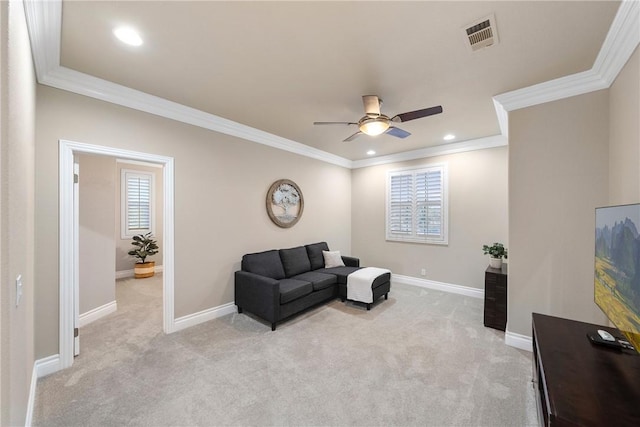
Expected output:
(76, 178)
(75, 332)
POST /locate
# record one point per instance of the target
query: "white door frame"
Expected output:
(67, 244)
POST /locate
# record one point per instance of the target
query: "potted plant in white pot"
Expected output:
(145, 246)
(497, 251)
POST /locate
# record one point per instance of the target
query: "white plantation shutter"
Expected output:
(137, 191)
(416, 205)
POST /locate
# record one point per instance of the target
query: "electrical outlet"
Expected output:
(18, 289)
(423, 272)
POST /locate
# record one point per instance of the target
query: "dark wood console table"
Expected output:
(581, 384)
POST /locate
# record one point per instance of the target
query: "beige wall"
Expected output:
(123, 245)
(624, 134)
(96, 241)
(477, 216)
(220, 186)
(17, 112)
(558, 175)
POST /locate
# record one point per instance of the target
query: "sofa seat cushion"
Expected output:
(318, 280)
(266, 264)
(292, 289)
(295, 261)
(315, 254)
(341, 273)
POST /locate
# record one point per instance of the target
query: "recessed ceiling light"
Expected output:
(128, 35)
(371, 152)
(449, 137)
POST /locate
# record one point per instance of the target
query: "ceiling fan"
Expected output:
(376, 123)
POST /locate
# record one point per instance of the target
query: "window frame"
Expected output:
(125, 232)
(413, 237)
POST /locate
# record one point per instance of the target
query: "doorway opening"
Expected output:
(68, 239)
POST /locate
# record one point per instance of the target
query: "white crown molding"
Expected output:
(84, 84)
(44, 22)
(621, 41)
(437, 150)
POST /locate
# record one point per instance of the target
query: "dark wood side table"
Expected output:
(581, 384)
(495, 297)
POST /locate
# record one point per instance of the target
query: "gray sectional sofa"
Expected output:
(276, 284)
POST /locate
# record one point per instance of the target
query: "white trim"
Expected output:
(44, 25)
(439, 286)
(204, 316)
(621, 41)
(41, 368)
(32, 396)
(553, 90)
(523, 342)
(125, 274)
(47, 365)
(97, 313)
(137, 163)
(66, 152)
(438, 150)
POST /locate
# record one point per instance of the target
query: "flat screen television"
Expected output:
(617, 268)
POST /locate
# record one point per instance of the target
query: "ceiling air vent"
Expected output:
(481, 33)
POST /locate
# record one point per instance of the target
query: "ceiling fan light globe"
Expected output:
(374, 127)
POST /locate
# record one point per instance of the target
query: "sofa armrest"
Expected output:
(350, 261)
(257, 294)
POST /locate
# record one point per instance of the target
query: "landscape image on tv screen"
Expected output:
(617, 268)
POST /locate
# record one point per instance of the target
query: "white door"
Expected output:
(76, 258)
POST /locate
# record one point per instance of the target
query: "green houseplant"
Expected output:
(497, 251)
(145, 246)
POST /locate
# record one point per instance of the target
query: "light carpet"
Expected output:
(422, 357)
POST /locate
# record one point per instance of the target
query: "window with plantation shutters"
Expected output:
(417, 205)
(137, 207)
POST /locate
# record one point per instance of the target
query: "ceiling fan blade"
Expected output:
(334, 123)
(371, 105)
(418, 114)
(352, 137)
(397, 132)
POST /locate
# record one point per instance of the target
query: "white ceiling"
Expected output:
(280, 66)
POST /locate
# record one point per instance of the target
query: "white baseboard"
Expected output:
(440, 286)
(125, 274)
(203, 316)
(92, 315)
(32, 396)
(41, 368)
(47, 365)
(523, 342)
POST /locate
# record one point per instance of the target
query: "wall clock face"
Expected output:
(284, 203)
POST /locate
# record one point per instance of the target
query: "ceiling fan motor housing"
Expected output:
(372, 105)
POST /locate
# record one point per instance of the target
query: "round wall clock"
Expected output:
(284, 203)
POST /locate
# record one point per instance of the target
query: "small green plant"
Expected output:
(497, 250)
(145, 246)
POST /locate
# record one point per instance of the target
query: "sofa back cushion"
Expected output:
(295, 261)
(314, 251)
(266, 264)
